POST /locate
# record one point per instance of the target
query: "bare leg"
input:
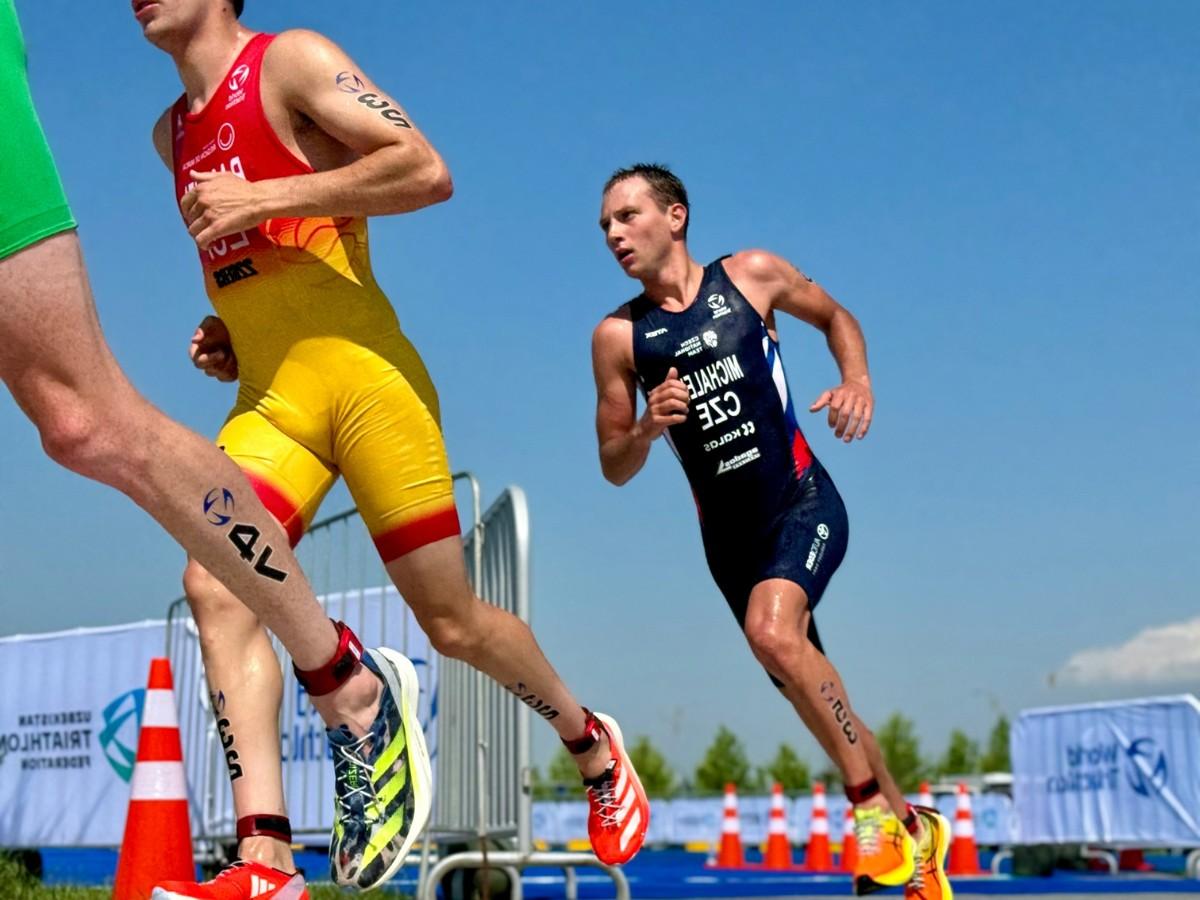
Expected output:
(433, 581)
(247, 688)
(777, 629)
(55, 361)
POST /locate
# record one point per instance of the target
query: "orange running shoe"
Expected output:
(885, 851)
(929, 881)
(240, 880)
(620, 812)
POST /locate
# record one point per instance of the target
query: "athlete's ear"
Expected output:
(677, 214)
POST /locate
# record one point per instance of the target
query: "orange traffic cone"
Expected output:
(730, 855)
(849, 842)
(158, 842)
(964, 856)
(924, 795)
(779, 850)
(817, 857)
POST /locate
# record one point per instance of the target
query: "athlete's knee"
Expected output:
(80, 433)
(213, 607)
(777, 644)
(459, 636)
(74, 436)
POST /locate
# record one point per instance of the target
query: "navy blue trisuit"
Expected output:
(768, 508)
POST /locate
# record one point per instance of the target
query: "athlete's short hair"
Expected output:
(664, 185)
(238, 6)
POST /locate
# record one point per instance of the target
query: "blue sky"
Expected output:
(1006, 197)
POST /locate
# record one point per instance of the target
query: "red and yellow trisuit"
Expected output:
(329, 383)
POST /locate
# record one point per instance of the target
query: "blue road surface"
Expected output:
(676, 875)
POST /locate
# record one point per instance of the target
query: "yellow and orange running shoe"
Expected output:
(620, 812)
(885, 851)
(929, 881)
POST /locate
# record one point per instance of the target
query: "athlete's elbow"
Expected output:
(613, 472)
(437, 184)
(442, 185)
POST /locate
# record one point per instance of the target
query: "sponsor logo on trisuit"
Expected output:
(728, 465)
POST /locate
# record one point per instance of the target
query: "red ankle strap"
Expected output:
(591, 734)
(277, 827)
(334, 673)
(861, 793)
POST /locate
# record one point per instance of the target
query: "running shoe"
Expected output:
(885, 851)
(619, 812)
(383, 781)
(240, 880)
(929, 881)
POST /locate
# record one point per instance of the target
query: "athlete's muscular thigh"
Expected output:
(51, 346)
(433, 582)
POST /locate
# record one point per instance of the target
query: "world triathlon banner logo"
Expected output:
(119, 736)
(1146, 767)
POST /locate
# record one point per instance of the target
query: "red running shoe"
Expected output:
(620, 812)
(240, 880)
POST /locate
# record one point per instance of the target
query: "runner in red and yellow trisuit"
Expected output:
(280, 149)
(329, 383)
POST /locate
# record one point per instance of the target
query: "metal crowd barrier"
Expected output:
(481, 777)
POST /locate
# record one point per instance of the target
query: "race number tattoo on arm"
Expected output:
(539, 706)
(350, 83)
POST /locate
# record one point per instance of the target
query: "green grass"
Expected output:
(17, 884)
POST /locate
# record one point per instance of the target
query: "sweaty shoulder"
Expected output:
(299, 54)
(613, 337)
(759, 267)
(761, 276)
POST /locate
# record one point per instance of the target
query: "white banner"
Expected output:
(1111, 773)
(69, 718)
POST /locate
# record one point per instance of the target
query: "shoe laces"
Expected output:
(918, 877)
(868, 824)
(347, 758)
(602, 791)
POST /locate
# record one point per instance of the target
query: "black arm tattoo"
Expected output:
(350, 83)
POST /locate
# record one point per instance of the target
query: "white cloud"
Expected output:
(1166, 653)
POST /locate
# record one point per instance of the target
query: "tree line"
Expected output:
(725, 761)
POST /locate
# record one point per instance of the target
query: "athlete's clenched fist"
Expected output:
(211, 350)
(221, 203)
(666, 405)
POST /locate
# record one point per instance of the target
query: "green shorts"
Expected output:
(32, 203)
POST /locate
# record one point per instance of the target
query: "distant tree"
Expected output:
(724, 762)
(562, 777)
(788, 769)
(996, 758)
(961, 757)
(656, 774)
(901, 751)
(829, 776)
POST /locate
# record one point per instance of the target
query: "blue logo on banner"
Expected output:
(122, 719)
(1147, 767)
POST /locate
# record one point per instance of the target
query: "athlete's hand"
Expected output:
(666, 405)
(211, 350)
(221, 204)
(850, 407)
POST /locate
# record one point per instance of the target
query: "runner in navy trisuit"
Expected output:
(700, 344)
